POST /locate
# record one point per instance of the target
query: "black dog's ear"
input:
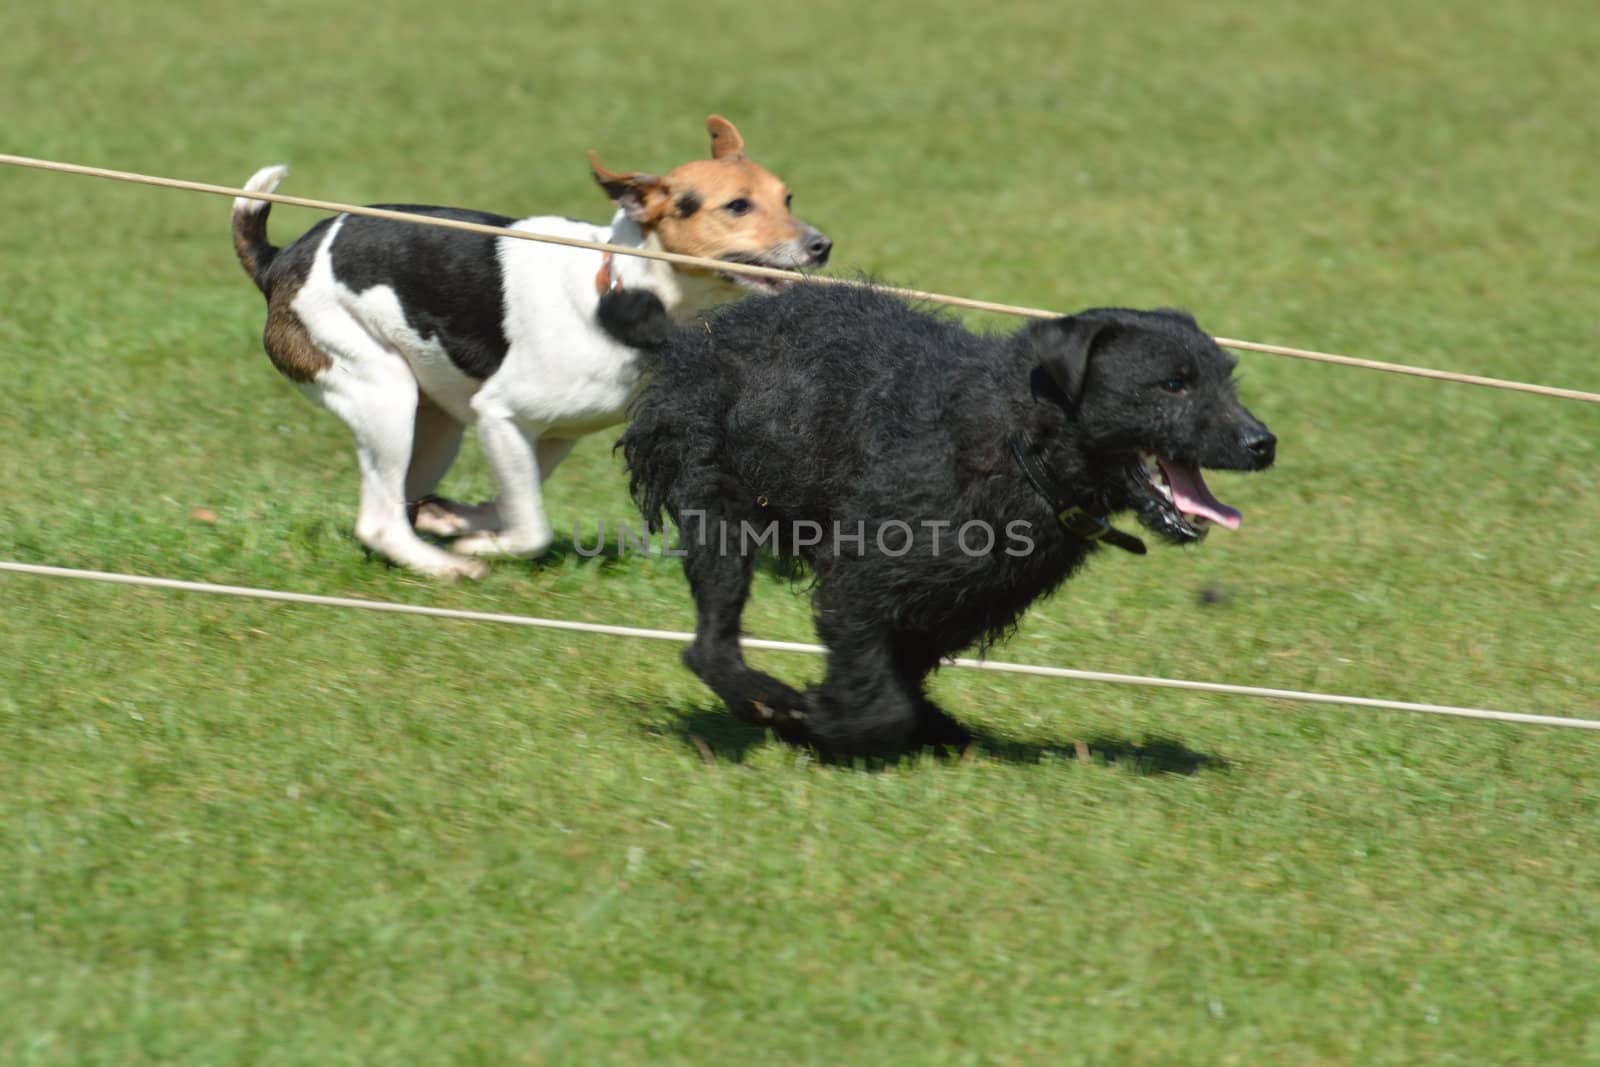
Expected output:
(1063, 347)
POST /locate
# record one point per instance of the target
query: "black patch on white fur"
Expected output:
(449, 282)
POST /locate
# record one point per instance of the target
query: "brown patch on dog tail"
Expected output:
(288, 343)
(250, 242)
(725, 140)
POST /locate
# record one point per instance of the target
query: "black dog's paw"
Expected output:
(781, 710)
(777, 710)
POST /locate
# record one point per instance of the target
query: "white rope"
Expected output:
(770, 272)
(787, 646)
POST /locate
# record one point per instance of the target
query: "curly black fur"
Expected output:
(842, 406)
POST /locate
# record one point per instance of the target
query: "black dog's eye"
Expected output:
(1175, 385)
(740, 206)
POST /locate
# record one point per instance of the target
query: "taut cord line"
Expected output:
(787, 646)
(770, 272)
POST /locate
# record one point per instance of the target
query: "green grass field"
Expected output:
(236, 832)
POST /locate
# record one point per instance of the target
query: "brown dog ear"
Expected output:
(1064, 346)
(725, 140)
(641, 196)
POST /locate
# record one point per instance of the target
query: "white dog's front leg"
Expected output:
(524, 530)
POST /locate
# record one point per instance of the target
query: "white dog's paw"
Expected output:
(451, 518)
(490, 544)
(456, 567)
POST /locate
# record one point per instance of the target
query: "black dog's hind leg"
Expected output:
(720, 581)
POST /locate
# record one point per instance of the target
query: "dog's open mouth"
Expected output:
(756, 283)
(1181, 506)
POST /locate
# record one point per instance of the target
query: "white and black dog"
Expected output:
(410, 332)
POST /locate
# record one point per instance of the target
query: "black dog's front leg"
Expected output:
(937, 730)
(915, 656)
(871, 702)
(720, 582)
(862, 707)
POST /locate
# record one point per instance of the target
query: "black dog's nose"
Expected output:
(818, 244)
(1261, 444)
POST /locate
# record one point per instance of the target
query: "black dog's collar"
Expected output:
(1077, 521)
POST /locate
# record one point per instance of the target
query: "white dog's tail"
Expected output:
(255, 252)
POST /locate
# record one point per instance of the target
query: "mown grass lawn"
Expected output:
(236, 832)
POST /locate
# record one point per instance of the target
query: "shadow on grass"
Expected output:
(712, 733)
(717, 736)
(1153, 755)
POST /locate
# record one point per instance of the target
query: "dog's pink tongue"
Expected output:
(1190, 494)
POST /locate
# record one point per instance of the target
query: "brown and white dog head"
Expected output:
(725, 207)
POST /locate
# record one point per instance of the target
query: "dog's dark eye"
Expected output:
(1175, 385)
(740, 206)
(788, 199)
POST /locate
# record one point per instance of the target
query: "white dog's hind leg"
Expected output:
(524, 530)
(376, 396)
(451, 518)
(436, 440)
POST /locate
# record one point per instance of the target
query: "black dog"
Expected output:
(935, 481)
